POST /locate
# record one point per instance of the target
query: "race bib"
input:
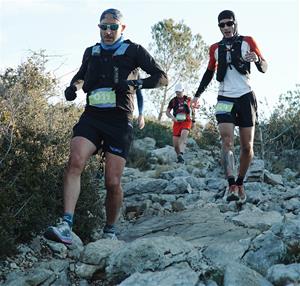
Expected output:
(103, 98)
(223, 107)
(181, 116)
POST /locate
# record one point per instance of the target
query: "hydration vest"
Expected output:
(237, 61)
(108, 67)
(187, 109)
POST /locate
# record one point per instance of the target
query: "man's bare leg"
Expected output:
(227, 136)
(81, 150)
(247, 153)
(114, 166)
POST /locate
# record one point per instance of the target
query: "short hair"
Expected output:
(114, 12)
(226, 14)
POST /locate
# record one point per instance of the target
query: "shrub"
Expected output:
(281, 130)
(161, 132)
(34, 147)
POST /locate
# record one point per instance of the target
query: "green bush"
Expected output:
(281, 130)
(161, 132)
(34, 148)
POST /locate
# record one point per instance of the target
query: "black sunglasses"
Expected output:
(113, 27)
(228, 24)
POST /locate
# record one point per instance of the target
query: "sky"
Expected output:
(65, 28)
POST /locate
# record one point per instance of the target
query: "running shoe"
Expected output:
(232, 193)
(109, 233)
(180, 159)
(242, 194)
(60, 233)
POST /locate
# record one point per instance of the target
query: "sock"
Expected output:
(68, 217)
(231, 181)
(110, 228)
(240, 180)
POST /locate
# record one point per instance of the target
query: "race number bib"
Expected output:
(223, 107)
(103, 98)
(181, 116)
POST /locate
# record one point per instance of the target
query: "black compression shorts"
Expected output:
(241, 111)
(113, 135)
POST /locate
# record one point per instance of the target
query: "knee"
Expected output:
(247, 150)
(227, 142)
(76, 164)
(113, 184)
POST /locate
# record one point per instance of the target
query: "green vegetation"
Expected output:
(34, 147)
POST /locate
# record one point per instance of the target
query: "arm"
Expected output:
(206, 79)
(259, 60)
(193, 115)
(140, 104)
(140, 101)
(209, 73)
(168, 113)
(78, 78)
(261, 65)
(146, 62)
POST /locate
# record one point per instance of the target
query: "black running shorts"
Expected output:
(113, 135)
(241, 111)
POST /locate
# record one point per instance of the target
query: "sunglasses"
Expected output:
(228, 24)
(112, 27)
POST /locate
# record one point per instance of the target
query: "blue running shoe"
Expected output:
(60, 233)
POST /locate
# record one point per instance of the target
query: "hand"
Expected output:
(251, 57)
(193, 124)
(195, 102)
(126, 85)
(141, 121)
(70, 93)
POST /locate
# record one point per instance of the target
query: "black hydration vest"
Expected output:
(185, 105)
(106, 68)
(237, 61)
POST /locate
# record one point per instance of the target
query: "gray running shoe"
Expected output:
(109, 232)
(60, 233)
(110, 235)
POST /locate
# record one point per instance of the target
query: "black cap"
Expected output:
(226, 14)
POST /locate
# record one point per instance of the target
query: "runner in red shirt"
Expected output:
(181, 106)
(236, 106)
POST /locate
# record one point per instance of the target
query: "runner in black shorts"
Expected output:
(109, 74)
(113, 135)
(243, 112)
(236, 106)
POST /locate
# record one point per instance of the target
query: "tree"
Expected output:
(180, 54)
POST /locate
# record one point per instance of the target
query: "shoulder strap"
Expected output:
(96, 50)
(121, 50)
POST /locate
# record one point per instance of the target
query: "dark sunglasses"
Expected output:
(228, 24)
(113, 27)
